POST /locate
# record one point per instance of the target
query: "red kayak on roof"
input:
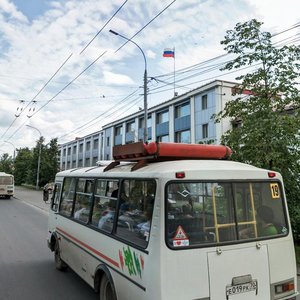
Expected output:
(169, 151)
(188, 151)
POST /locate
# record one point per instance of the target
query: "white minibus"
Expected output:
(6, 185)
(169, 221)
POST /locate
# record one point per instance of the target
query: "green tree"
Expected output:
(26, 163)
(49, 163)
(6, 164)
(23, 164)
(269, 133)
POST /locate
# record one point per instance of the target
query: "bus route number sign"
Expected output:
(241, 288)
(275, 190)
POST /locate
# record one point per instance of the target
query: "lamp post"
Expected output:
(14, 156)
(39, 159)
(145, 83)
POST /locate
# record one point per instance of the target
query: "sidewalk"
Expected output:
(31, 197)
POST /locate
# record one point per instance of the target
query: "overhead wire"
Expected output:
(102, 114)
(60, 69)
(60, 91)
(104, 26)
(147, 24)
(44, 86)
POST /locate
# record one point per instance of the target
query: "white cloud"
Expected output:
(9, 8)
(117, 79)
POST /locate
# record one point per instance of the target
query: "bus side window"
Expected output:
(55, 197)
(83, 199)
(135, 210)
(67, 197)
(104, 205)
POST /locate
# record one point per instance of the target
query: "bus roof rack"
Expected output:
(143, 153)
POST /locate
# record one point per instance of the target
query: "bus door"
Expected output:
(234, 221)
(241, 211)
(243, 271)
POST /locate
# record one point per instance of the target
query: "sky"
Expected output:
(65, 75)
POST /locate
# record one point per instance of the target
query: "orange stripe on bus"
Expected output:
(113, 262)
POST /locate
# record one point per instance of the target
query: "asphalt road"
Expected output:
(27, 268)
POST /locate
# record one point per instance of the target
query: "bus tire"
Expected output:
(59, 263)
(107, 289)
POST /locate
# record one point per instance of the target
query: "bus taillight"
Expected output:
(180, 175)
(271, 174)
(284, 287)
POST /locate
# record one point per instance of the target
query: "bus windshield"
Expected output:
(200, 213)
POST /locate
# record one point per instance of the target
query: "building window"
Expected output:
(162, 117)
(141, 122)
(204, 102)
(64, 152)
(107, 141)
(163, 138)
(205, 131)
(96, 144)
(130, 127)
(118, 130)
(74, 149)
(80, 148)
(183, 137)
(88, 146)
(94, 162)
(182, 110)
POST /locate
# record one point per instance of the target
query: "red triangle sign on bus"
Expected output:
(180, 234)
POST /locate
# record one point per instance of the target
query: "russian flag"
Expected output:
(168, 52)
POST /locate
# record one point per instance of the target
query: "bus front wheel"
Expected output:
(59, 263)
(107, 290)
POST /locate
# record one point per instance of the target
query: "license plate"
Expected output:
(241, 288)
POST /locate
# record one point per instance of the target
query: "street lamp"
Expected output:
(145, 82)
(39, 159)
(14, 148)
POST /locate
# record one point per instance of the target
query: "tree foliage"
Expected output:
(26, 163)
(6, 164)
(23, 168)
(269, 133)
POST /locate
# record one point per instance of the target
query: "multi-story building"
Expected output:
(184, 119)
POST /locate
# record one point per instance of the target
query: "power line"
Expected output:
(102, 114)
(70, 83)
(146, 25)
(103, 27)
(37, 94)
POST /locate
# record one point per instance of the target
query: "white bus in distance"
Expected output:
(176, 221)
(7, 186)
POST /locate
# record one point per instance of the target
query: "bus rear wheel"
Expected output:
(107, 290)
(59, 263)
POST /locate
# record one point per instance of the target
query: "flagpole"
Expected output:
(174, 71)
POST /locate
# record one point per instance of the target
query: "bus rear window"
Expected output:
(216, 212)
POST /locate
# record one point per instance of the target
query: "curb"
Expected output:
(31, 204)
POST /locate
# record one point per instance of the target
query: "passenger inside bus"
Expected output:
(265, 221)
(108, 214)
(265, 224)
